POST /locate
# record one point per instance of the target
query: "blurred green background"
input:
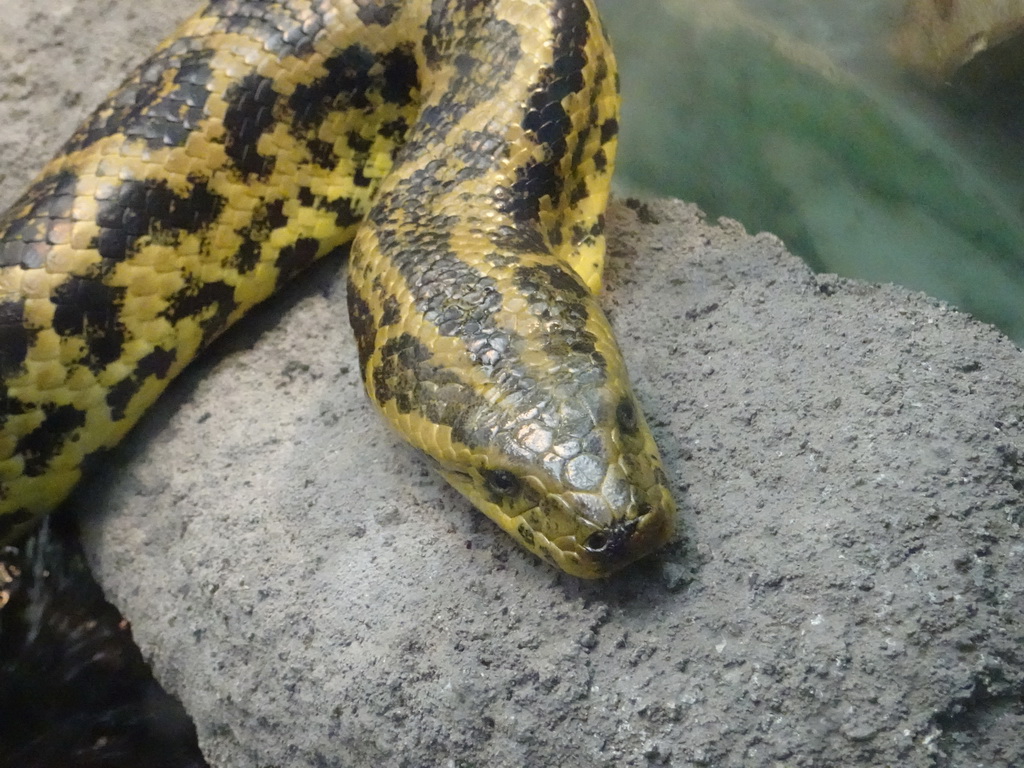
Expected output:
(794, 116)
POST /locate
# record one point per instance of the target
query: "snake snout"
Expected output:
(612, 541)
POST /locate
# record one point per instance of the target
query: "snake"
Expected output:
(459, 151)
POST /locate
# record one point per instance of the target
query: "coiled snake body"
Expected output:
(461, 148)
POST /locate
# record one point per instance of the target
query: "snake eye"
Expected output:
(502, 482)
(625, 415)
(596, 542)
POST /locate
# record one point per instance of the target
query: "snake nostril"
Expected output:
(597, 542)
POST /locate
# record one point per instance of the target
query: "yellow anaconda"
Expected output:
(461, 148)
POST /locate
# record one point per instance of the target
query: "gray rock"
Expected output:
(846, 589)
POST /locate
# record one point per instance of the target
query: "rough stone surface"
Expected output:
(848, 588)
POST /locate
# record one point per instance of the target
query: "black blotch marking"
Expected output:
(88, 308)
(40, 445)
(11, 406)
(476, 78)
(395, 378)
(519, 239)
(147, 108)
(456, 298)
(197, 299)
(558, 297)
(479, 152)
(17, 407)
(345, 214)
(581, 145)
(583, 234)
(395, 129)
(247, 256)
(292, 259)
(440, 27)
(626, 416)
(274, 214)
(322, 153)
(249, 113)
(358, 143)
(536, 279)
(407, 378)
(346, 83)
(579, 192)
(534, 181)
(361, 319)
(392, 312)
(15, 338)
(546, 117)
(377, 12)
(609, 130)
(138, 208)
(443, 25)
(555, 236)
(156, 363)
(352, 75)
(401, 75)
(264, 221)
(359, 179)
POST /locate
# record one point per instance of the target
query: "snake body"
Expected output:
(462, 151)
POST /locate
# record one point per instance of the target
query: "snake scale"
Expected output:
(461, 150)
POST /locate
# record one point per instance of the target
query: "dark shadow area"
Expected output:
(75, 691)
(987, 87)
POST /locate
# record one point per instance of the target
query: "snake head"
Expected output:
(522, 400)
(579, 483)
(502, 369)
